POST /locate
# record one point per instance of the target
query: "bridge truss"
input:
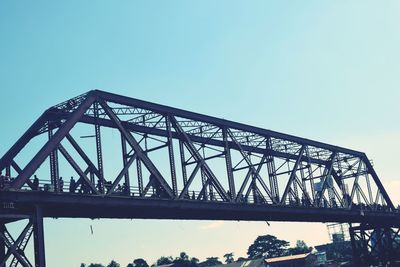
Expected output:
(145, 160)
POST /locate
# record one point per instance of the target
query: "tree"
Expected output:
(267, 245)
(130, 265)
(300, 248)
(210, 261)
(184, 256)
(165, 260)
(182, 260)
(194, 262)
(83, 265)
(113, 264)
(96, 265)
(140, 263)
(229, 257)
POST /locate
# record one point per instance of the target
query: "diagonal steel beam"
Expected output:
(19, 170)
(355, 183)
(23, 141)
(247, 177)
(248, 161)
(378, 183)
(76, 167)
(44, 152)
(327, 173)
(189, 182)
(188, 143)
(138, 150)
(82, 153)
(122, 174)
(13, 245)
(292, 175)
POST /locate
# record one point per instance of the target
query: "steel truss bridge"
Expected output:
(130, 158)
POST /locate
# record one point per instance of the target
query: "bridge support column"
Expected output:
(375, 245)
(38, 238)
(2, 246)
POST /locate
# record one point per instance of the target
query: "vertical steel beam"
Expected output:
(139, 176)
(54, 174)
(228, 162)
(124, 161)
(98, 145)
(273, 180)
(204, 182)
(355, 246)
(40, 260)
(171, 156)
(183, 163)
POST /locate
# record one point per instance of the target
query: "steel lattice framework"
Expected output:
(179, 164)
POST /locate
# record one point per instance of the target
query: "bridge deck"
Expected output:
(91, 206)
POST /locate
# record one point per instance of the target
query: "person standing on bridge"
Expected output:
(1, 180)
(72, 184)
(35, 185)
(61, 184)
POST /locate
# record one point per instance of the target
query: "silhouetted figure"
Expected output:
(211, 196)
(125, 189)
(193, 195)
(72, 185)
(1, 180)
(99, 186)
(35, 184)
(85, 188)
(61, 184)
(119, 188)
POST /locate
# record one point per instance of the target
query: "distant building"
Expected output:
(248, 263)
(300, 260)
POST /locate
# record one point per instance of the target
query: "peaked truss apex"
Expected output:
(72, 103)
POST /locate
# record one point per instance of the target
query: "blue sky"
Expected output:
(325, 70)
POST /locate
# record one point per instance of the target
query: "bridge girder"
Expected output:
(261, 166)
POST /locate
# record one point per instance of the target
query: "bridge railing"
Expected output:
(46, 186)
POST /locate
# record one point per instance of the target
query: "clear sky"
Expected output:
(325, 70)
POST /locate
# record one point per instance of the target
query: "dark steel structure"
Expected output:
(170, 163)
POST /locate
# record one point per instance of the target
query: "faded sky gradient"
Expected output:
(325, 70)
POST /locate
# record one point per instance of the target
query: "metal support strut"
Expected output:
(38, 238)
(375, 245)
(12, 250)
